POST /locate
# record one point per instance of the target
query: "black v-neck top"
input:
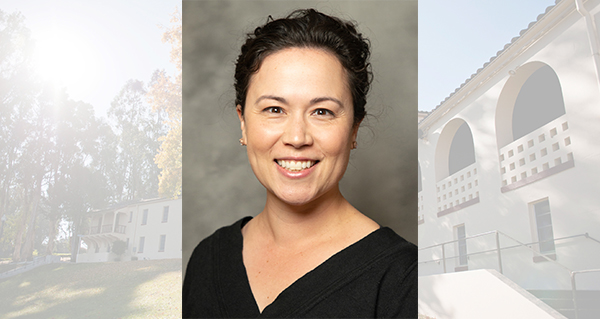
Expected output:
(375, 277)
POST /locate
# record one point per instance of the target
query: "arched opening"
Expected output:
(456, 168)
(455, 149)
(531, 127)
(539, 101)
(531, 98)
(462, 151)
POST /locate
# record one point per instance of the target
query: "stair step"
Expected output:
(588, 302)
(583, 314)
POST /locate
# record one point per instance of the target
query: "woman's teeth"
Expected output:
(295, 166)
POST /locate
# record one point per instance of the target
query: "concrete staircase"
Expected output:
(588, 302)
(482, 293)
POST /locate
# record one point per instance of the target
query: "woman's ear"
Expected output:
(355, 131)
(238, 108)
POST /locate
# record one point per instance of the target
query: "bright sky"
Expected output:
(457, 37)
(93, 47)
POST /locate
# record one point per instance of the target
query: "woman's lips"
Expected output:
(295, 168)
(295, 165)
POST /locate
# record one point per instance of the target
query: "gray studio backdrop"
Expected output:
(218, 184)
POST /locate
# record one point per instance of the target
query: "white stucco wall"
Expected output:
(151, 231)
(561, 42)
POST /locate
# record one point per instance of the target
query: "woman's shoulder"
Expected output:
(398, 284)
(205, 258)
(200, 285)
(398, 243)
(393, 248)
(223, 237)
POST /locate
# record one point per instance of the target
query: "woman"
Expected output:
(301, 86)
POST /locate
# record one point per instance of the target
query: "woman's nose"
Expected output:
(297, 133)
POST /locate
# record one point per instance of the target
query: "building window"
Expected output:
(420, 181)
(543, 221)
(96, 248)
(461, 244)
(141, 245)
(130, 216)
(163, 239)
(165, 217)
(145, 217)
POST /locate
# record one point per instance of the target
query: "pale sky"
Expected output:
(114, 41)
(93, 47)
(457, 37)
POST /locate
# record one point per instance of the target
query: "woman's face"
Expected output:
(298, 124)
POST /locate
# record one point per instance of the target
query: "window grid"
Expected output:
(542, 149)
(462, 184)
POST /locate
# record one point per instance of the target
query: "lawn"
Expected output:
(129, 289)
(5, 266)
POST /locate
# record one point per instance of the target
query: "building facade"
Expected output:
(151, 229)
(509, 163)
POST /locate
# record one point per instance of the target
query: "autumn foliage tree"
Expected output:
(165, 96)
(60, 161)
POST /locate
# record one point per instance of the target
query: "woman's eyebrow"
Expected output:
(312, 102)
(271, 97)
(326, 98)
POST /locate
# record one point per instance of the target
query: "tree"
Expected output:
(59, 161)
(138, 130)
(119, 247)
(23, 133)
(165, 96)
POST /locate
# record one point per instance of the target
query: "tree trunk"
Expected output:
(52, 231)
(30, 236)
(75, 240)
(20, 231)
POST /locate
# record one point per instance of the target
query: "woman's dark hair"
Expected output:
(308, 29)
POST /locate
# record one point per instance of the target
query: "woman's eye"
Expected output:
(274, 109)
(323, 112)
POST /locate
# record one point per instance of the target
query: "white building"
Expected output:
(150, 228)
(509, 164)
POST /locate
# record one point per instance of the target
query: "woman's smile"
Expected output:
(296, 169)
(296, 165)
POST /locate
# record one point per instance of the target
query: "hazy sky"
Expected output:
(457, 37)
(93, 47)
(96, 46)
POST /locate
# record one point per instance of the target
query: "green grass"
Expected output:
(129, 289)
(4, 267)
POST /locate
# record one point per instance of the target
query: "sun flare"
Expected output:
(66, 59)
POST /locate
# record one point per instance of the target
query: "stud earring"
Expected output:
(354, 145)
(242, 142)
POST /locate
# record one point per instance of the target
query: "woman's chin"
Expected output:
(296, 198)
(296, 201)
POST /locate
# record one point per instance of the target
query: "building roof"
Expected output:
(506, 46)
(120, 205)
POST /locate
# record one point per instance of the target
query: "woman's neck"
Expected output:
(293, 225)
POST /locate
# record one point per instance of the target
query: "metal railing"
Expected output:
(119, 229)
(498, 249)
